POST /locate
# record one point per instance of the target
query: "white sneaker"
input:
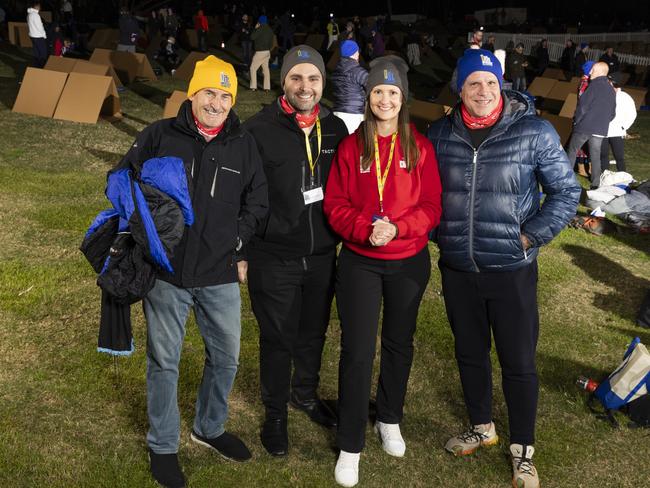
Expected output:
(469, 441)
(346, 472)
(524, 474)
(391, 438)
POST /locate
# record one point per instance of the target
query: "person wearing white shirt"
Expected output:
(622, 121)
(37, 34)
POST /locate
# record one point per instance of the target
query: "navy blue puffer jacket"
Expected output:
(348, 81)
(491, 195)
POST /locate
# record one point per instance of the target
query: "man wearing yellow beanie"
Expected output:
(229, 197)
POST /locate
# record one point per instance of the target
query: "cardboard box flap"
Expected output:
(145, 70)
(569, 107)
(560, 90)
(88, 67)
(563, 126)
(83, 98)
(554, 74)
(540, 87)
(39, 92)
(19, 34)
(426, 111)
(186, 68)
(173, 104)
(59, 63)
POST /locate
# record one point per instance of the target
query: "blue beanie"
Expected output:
(348, 48)
(263, 19)
(584, 45)
(477, 60)
(586, 68)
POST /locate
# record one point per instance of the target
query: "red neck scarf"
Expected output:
(206, 132)
(304, 121)
(489, 120)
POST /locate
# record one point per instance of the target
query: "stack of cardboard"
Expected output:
(76, 96)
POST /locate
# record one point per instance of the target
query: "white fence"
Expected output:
(556, 44)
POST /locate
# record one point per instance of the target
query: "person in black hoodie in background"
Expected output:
(292, 257)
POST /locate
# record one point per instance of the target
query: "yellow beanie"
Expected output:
(213, 72)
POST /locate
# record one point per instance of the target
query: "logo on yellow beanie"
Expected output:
(225, 80)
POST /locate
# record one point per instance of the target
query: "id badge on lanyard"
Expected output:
(313, 194)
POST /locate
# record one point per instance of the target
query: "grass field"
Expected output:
(70, 417)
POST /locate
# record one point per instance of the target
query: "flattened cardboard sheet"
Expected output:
(554, 74)
(59, 63)
(84, 96)
(561, 90)
(186, 68)
(569, 107)
(173, 104)
(39, 92)
(83, 66)
(541, 87)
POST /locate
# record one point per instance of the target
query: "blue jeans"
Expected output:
(217, 311)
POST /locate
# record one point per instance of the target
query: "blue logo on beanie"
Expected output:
(225, 80)
(389, 76)
(303, 54)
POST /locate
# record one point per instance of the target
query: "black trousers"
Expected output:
(39, 50)
(617, 150)
(504, 304)
(291, 300)
(361, 284)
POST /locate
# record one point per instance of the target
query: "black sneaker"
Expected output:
(317, 410)
(274, 437)
(166, 470)
(229, 446)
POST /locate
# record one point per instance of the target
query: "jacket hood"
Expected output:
(32, 10)
(346, 64)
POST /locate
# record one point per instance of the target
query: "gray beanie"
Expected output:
(298, 55)
(388, 70)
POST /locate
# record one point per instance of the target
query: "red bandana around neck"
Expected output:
(304, 121)
(481, 122)
(206, 132)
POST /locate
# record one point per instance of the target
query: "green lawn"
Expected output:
(72, 417)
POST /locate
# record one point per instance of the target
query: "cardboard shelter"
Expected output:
(69, 65)
(637, 94)
(562, 125)
(39, 92)
(541, 86)
(128, 66)
(561, 90)
(19, 34)
(186, 68)
(79, 97)
(104, 38)
(86, 96)
(173, 104)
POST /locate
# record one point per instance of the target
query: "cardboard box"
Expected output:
(561, 90)
(569, 107)
(637, 94)
(39, 92)
(19, 34)
(186, 68)
(83, 66)
(85, 96)
(541, 87)
(563, 126)
(104, 38)
(128, 66)
(173, 104)
(554, 74)
(59, 63)
(447, 97)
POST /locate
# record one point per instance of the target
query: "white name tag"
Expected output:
(402, 163)
(313, 196)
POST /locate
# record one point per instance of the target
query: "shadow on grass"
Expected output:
(628, 290)
(151, 93)
(8, 92)
(126, 128)
(106, 156)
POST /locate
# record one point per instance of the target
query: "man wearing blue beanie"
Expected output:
(493, 152)
(348, 81)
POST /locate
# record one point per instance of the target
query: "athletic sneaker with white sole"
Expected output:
(470, 440)
(524, 474)
(346, 472)
(391, 438)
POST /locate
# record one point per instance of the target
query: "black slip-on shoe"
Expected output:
(228, 445)
(274, 437)
(166, 470)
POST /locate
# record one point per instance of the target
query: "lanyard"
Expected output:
(312, 163)
(381, 179)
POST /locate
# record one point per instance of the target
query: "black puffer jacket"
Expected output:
(490, 196)
(348, 81)
(293, 229)
(228, 190)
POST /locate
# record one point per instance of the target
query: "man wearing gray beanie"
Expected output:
(292, 258)
(493, 153)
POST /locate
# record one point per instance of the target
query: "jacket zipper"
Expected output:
(304, 263)
(192, 170)
(471, 210)
(214, 181)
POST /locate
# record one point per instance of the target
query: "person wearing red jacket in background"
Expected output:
(383, 197)
(201, 27)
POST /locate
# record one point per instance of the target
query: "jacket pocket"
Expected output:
(226, 184)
